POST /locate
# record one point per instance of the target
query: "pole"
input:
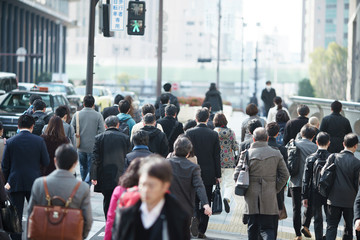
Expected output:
(256, 67)
(159, 49)
(218, 48)
(242, 64)
(90, 55)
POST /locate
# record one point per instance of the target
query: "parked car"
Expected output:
(102, 95)
(16, 102)
(27, 86)
(8, 81)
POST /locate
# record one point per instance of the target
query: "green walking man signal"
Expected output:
(136, 18)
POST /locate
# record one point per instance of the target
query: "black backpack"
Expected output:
(124, 127)
(39, 124)
(317, 167)
(327, 178)
(293, 157)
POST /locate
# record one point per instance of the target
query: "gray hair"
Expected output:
(260, 134)
(182, 146)
(111, 121)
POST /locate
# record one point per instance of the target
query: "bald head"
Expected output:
(314, 121)
(260, 135)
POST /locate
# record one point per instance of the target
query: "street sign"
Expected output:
(175, 86)
(21, 51)
(117, 15)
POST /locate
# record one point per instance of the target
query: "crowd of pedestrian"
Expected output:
(157, 175)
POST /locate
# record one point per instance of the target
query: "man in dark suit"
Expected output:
(207, 150)
(23, 156)
(164, 102)
(113, 110)
(173, 99)
(140, 141)
(172, 127)
(292, 127)
(108, 159)
(267, 95)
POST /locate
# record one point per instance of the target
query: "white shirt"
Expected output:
(24, 129)
(272, 114)
(149, 218)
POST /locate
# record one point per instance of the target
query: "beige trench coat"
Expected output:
(268, 174)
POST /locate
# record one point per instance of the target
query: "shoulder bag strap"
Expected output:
(77, 124)
(72, 194)
(47, 195)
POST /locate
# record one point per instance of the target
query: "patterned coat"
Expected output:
(228, 145)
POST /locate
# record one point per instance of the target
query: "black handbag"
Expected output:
(216, 199)
(10, 219)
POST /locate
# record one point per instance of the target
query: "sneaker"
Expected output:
(194, 227)
(306, 232)
(226, 205)
(202, 236)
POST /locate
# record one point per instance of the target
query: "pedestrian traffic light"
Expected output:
(136, 18)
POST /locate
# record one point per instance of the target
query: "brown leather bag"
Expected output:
(56, 222)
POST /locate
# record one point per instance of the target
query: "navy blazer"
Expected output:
(23, 155)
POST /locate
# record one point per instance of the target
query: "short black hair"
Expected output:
(167, 87)
(148, 108)
(118, 98)
(260, 134)
(272, 129)
(251, 109)
(171, 110)
(39, 105)
(62, 110)
(323, 138)
(89, 101)
(140, 138)
(350, 140)
(26, 121)
(149, 118)
(111, 121)
(253, 124)
(124, 106)
(66, 156)
(189, 124)
(303, 110)
(34, 97)
(206, 104)
(182, 146)
(202, 115)
(157, 167)
(268, 82)
(336, 106)
(164, 98)
(307, 131)
(282, 116)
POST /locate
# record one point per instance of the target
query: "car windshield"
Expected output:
(19, 102)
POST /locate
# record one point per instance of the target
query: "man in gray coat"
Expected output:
(268, 175)
(65, 162)
(91, 124)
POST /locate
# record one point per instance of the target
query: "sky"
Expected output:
(285, 15)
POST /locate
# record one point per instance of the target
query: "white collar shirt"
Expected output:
(148, 218)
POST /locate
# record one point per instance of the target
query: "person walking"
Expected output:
(310, 194)
(281, 119)
(336, 126)
(32, 99)
(267, 95)
(113, 110)
(147, 108)
(40, 117)
(214, 97)
(172, 127)
(210, 123)
(229, 146)
(91, 123)
(24, 154)
(305, 147)
(164, 102)
(66, 160)
(54, 136)
(140, 142)
(172, 97)
(271, 117)
(125, 117)
(207, 150)
(343, 192)
(108, 161)
(251, 126)
(251, 110)
(268, 175)
(293, 126)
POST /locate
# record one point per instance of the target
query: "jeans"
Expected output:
(262, 225)
(333, 219)
(199, 211)
(85, 164)
(227, 184)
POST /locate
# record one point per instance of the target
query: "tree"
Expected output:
(328, 71)
(305, 88)
(43, 77)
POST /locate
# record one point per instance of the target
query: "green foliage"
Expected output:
(43, 77)
(124, 79)
(328, 71)
(305, 88)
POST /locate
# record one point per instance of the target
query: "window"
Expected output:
(330, 6)
(345, 35)
(346, 6)
(190, 23)
(329, 21)
(346, 21)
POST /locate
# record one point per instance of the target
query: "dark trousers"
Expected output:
(262, 225)
(333, 219)
(296, 203)
(199, 210)
(17, 199)
(318, 220)
(106, 202)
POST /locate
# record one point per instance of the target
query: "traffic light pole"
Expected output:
(90, 56)
(218, 50)
(159, 49)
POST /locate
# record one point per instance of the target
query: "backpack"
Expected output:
(318, 166)
(124, 127)
(280, 136)
(327, 178)
(39, 124)
(293, 157)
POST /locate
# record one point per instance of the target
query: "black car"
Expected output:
(15, 103)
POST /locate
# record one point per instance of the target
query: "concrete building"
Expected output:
(38, 28)
(323, 21)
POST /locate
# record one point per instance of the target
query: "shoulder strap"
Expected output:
(77, 124)
(72, 194)
(47, 195)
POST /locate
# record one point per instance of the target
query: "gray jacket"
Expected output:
(91, 124)
(306, 148)
(81, 199)
(69, 132)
